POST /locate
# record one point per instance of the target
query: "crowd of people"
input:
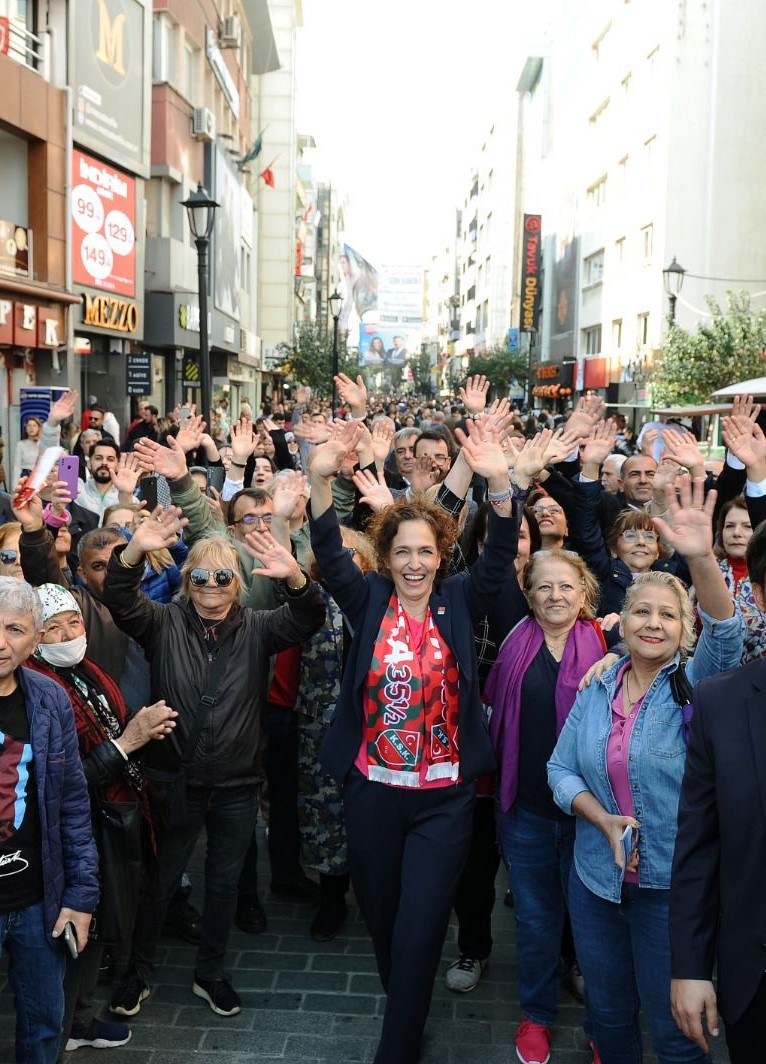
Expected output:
(415, 640)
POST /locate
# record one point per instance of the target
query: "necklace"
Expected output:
(633, 701)
(556, 647)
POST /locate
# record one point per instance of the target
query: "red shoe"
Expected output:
(533, 1043)
(595, 1052)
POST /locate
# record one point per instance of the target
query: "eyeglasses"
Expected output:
(438, 459)
(632, 535)
(254, 519)
(541, 511)
(222, 577)
(8, 557)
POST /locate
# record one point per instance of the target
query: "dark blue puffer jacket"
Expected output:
(69, 858)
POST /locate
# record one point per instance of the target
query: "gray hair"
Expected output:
(404, 434)
(673, 584)
(18, 597)
(617, 461)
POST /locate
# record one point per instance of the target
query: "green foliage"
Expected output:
(308, 360)
(730, 347)
(501, 367)
(421, 373)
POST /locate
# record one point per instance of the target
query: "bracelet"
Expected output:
(295, 590)
(475, 417)
(499, 502)
(127, 565)
(239, 465)
(499, 496)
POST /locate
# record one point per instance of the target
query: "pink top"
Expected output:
(617, 747)
(417, 631)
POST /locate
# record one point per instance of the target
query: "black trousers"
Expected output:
(475, 896)
(406, 852)
(746, 1039)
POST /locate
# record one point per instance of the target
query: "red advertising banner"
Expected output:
(104, 223)
(531, 264)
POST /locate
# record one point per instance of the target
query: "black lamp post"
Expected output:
(201, 211)
(674, 279)
(336, 303)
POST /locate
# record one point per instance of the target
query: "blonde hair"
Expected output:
(8, 531)
(216, 551)
(362, 545)
(590, 586)
(673, 584)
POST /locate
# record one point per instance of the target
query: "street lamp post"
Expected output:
(201, 211)
(674, 279)
(336, 302)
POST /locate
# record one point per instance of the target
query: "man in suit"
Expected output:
(718, 897)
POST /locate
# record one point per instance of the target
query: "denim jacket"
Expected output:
(656, 759)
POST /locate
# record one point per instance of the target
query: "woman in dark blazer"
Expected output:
(409, 702)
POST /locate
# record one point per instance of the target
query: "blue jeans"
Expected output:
(538, 855)
(36, 975)
(228, 816)
(624, 954)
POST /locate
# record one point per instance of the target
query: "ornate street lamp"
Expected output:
(200, 209)
(674, 280)
(336, 304)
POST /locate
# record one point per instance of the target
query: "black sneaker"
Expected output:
(219, 994)
(328, 921)
(99, 1034)
(250, 916)
(131, 992)
(185, 922)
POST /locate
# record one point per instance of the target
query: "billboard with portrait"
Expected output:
(400, 295)
(103, 207)
(384, 345)
(110, 63)
(227, 236)
(565, 295)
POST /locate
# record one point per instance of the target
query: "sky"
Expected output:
(399, 95)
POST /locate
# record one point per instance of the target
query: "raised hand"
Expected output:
(682, 447)
(599, 446)
(289, 489)
(30, 515)
(743, 406)
(382, 438)
(190, 433)
(586, 415)
(312, 432)
(373, 490)
(352, 392)
(157, 532)
(474, 395)
(277, 562)
(746, 441)
(532, 458)
(326, 458)
(169, 461)
(64, 407)
(648, 441)
(243, 439)
(691, 515)
(483, 453)
(127, 474)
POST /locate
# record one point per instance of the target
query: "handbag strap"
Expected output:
(208, 699)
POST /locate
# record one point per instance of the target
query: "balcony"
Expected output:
(21, 45)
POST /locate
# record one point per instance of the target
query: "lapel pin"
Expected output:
(441, 610)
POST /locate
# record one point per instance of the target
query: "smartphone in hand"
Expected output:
(629, 840)
(215, 478)
(148, 489)
(70, 938)
(69, 472)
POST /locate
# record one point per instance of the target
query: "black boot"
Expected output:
(332, 907)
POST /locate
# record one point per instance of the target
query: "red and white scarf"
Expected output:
(411, 704)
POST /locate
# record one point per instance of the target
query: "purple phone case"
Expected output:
(69, 471)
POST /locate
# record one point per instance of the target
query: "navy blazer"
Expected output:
(456, 604)
(717, 894)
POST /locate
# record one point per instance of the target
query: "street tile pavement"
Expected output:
(306, 1002)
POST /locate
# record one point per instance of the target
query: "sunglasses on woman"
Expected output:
(8, 557)
(222, 577)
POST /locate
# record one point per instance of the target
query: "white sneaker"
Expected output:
(465, 974)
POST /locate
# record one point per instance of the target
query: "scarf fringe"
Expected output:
(393, 778)
(443, 772)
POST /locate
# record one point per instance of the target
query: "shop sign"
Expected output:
(107, 312)
(188, 317)
(25, 325)
(138, 373)
(547, 373)
(15, 243)
(48, 329)
(531, 293)
(103, 209)
(191, 372)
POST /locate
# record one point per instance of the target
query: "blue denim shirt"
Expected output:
(656, 759)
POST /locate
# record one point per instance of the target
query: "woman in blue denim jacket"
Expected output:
(618, 765)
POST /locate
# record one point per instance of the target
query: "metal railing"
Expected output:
(21, 45)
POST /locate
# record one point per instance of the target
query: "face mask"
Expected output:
(64, 655)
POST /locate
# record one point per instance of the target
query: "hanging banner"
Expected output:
(531, 264)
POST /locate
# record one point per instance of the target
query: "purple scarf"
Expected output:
(502, 691)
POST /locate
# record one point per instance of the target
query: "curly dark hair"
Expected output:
(384, 525)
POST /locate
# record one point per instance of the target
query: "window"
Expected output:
(617, 334)
(647, 240)
(190, 64)
(597, 192)
(163, 52)
(594, 268)
(619, 250)
(642, 331)
(592, 340)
